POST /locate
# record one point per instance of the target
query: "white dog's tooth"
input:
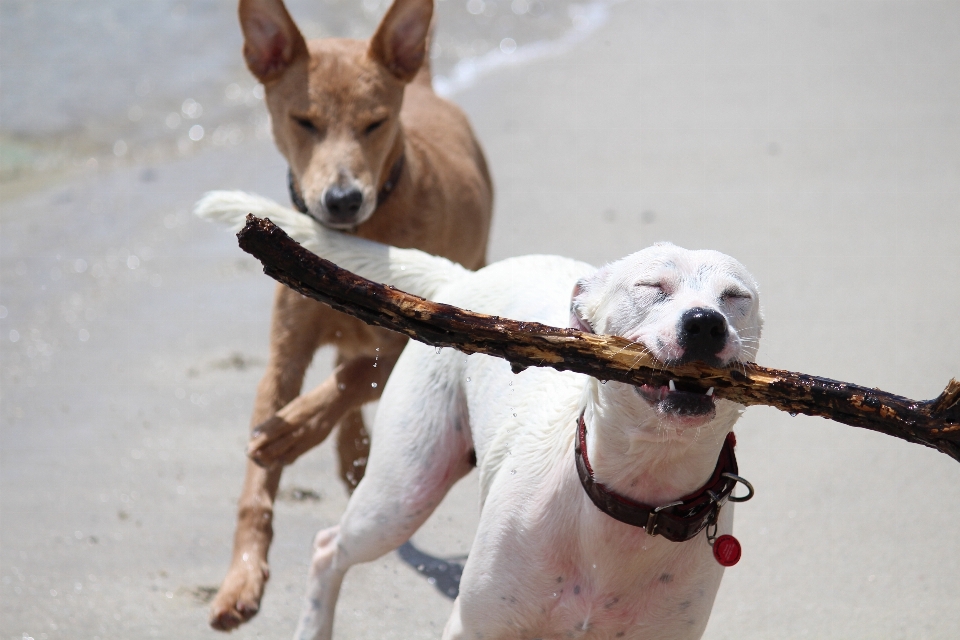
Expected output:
(710, 391)
(673, 387)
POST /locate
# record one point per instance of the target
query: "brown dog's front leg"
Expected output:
(294, 332)
(238, 598)
(307, 420)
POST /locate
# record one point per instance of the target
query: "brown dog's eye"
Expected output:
(306, 124)
(373, 126)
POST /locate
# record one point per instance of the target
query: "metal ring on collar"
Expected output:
(742, 481)
(667, 506)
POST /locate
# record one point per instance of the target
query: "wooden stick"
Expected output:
(934, 423)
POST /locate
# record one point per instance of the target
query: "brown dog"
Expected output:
(371, 149)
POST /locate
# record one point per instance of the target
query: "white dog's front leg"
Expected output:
(419, 450)
(323, 587)
(454, 627)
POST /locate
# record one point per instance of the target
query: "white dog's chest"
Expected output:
(640, 597)
(572, 572)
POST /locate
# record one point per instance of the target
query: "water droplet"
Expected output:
(793, 414)
(341, 386)
(514, 415)
(603, 382)
(373, 384)
(438, 349)
(513, 472)
(374, 365)
(468, 379)
(191, 109)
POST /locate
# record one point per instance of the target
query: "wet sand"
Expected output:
(817, 143)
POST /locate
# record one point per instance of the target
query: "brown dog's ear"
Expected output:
(271, 40)
(400, 43)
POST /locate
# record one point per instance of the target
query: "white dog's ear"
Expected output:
(400, 43)
(578, 307)
(588, 300)
(271, 40)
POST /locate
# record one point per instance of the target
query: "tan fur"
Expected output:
(441, 204)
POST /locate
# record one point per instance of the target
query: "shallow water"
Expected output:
(88, 82)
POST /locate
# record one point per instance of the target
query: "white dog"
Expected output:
(551, 446)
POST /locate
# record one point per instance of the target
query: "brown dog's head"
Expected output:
(335, 103)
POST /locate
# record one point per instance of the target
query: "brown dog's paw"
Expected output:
(238, 599)
(268, 449)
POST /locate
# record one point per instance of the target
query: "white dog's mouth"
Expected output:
(679, 400)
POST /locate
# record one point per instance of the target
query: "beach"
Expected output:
(818, 143)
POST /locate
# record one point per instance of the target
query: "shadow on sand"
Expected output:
(442, 573)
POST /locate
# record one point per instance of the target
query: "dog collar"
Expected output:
(677, 521)
(392, 179)
(391, 183)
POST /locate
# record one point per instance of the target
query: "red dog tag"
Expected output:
(726, 549)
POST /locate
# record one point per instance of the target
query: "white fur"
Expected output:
(545, 563)
(408, 269)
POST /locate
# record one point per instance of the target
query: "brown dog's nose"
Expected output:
(702, 334)
(343, 203)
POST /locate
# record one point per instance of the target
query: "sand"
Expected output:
(816, 142)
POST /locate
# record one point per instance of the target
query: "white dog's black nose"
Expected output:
(702, 334)
(342, 203)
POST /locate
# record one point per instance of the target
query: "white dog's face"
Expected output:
(681, 305)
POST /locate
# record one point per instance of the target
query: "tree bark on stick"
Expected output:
(934, 423)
